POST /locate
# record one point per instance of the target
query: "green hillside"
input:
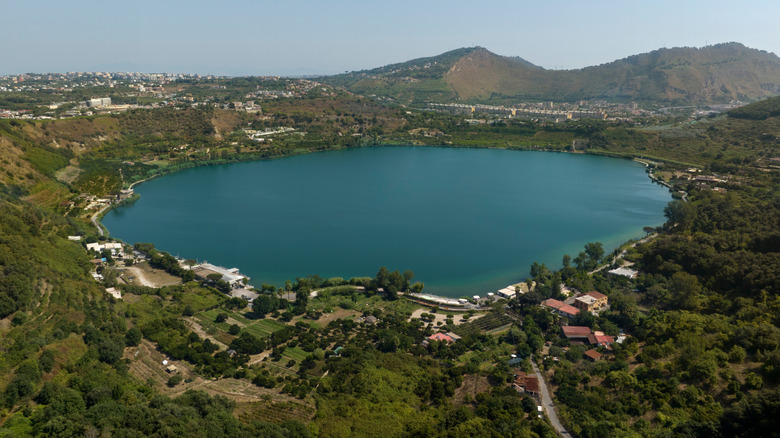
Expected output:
(702, 357)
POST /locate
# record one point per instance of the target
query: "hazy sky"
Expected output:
(242, 37)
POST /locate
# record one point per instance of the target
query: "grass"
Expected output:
(295, 353)
(264, 327)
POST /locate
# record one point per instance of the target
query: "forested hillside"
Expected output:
(701, 357)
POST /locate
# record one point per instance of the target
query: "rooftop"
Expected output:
(596, 295)
(574, 331)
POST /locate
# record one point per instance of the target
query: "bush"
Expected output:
(175, 380)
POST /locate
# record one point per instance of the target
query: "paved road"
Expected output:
(547, 404)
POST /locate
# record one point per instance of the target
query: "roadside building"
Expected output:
(526, 383)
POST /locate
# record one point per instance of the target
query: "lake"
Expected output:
(466, 221)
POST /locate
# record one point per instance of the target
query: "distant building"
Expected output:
(125, 194)
(99, 102)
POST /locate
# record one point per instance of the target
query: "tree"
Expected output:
(234, 329)
(221, 317)
(133, 337)
(265, 304)
(302, 297)
(680, 214)
(175, 380)
(46, 361)
(595, 251)
(686, 291)
(109, 351)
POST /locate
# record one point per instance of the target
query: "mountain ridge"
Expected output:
(717, 73)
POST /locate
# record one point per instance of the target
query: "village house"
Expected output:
(591, 302)
(581, 334)
(576, 332)
(599, 339)
(560, 308)
(526, 383)
(593, 355)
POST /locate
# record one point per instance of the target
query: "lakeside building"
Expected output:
(232, 276)
(115, 248)
(444, 302)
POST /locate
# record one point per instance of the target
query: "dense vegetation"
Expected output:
(702, 357)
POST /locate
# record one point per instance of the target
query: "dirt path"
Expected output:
(547, 404)
(143, 279)
(199, 330)
(139, 275)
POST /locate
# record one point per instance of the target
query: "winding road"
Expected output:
(547, 404)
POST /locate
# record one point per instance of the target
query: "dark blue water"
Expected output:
(464, 220)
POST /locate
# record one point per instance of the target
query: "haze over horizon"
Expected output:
(304, 37)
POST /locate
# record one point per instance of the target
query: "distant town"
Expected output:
(74, 94)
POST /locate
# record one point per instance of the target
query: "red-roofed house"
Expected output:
(440, 337)
(576, 332)
(593, 355)
(560, 308)
(600, 339)
(526, 383)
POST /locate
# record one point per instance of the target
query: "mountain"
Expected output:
(683, 75)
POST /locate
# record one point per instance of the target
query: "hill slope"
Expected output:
(718, 73)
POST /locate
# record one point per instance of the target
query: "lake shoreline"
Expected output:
(207, 164)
